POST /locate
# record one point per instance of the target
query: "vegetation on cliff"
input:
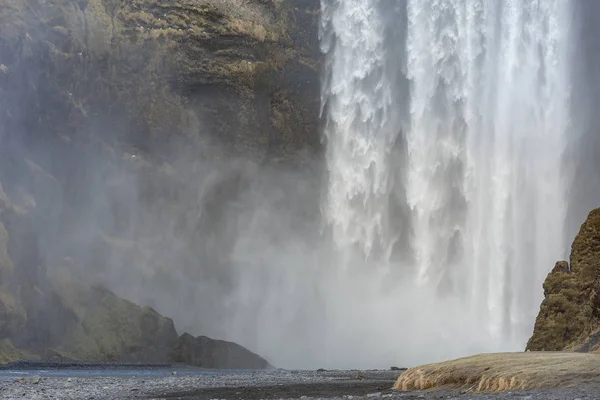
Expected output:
(106, 109)
(150, 69)
(569, 317)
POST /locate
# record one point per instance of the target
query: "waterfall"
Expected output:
(361, 125)
(488, 114)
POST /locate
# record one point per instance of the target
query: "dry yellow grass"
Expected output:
(504, 371)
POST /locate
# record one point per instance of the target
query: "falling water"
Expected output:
(488, 103)
(361, 126)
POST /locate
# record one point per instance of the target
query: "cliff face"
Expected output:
(569, 317)
(109, 110)
(148, 71)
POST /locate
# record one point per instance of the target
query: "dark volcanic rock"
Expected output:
(209, 353)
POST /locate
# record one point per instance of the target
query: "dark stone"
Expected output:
(205, 352)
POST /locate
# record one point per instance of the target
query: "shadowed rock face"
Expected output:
(208, 353)
(98, 326)
(569, 317)
(73, 321)
(107, 110)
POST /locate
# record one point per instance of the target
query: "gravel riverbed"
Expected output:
(232, 385)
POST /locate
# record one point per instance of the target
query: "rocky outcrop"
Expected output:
(61, 317)
(78, 322)
(99, 326)
(205, 352)
(569, 317)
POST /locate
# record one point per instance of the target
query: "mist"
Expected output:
(316, 260)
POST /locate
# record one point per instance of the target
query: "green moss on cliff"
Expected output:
(143, 64)
(111, 328)
(9, 353)
(570, 311)
(12, 313)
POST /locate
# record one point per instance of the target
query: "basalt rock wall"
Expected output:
(110, 111)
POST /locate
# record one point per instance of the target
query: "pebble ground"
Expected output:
(272, 385)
